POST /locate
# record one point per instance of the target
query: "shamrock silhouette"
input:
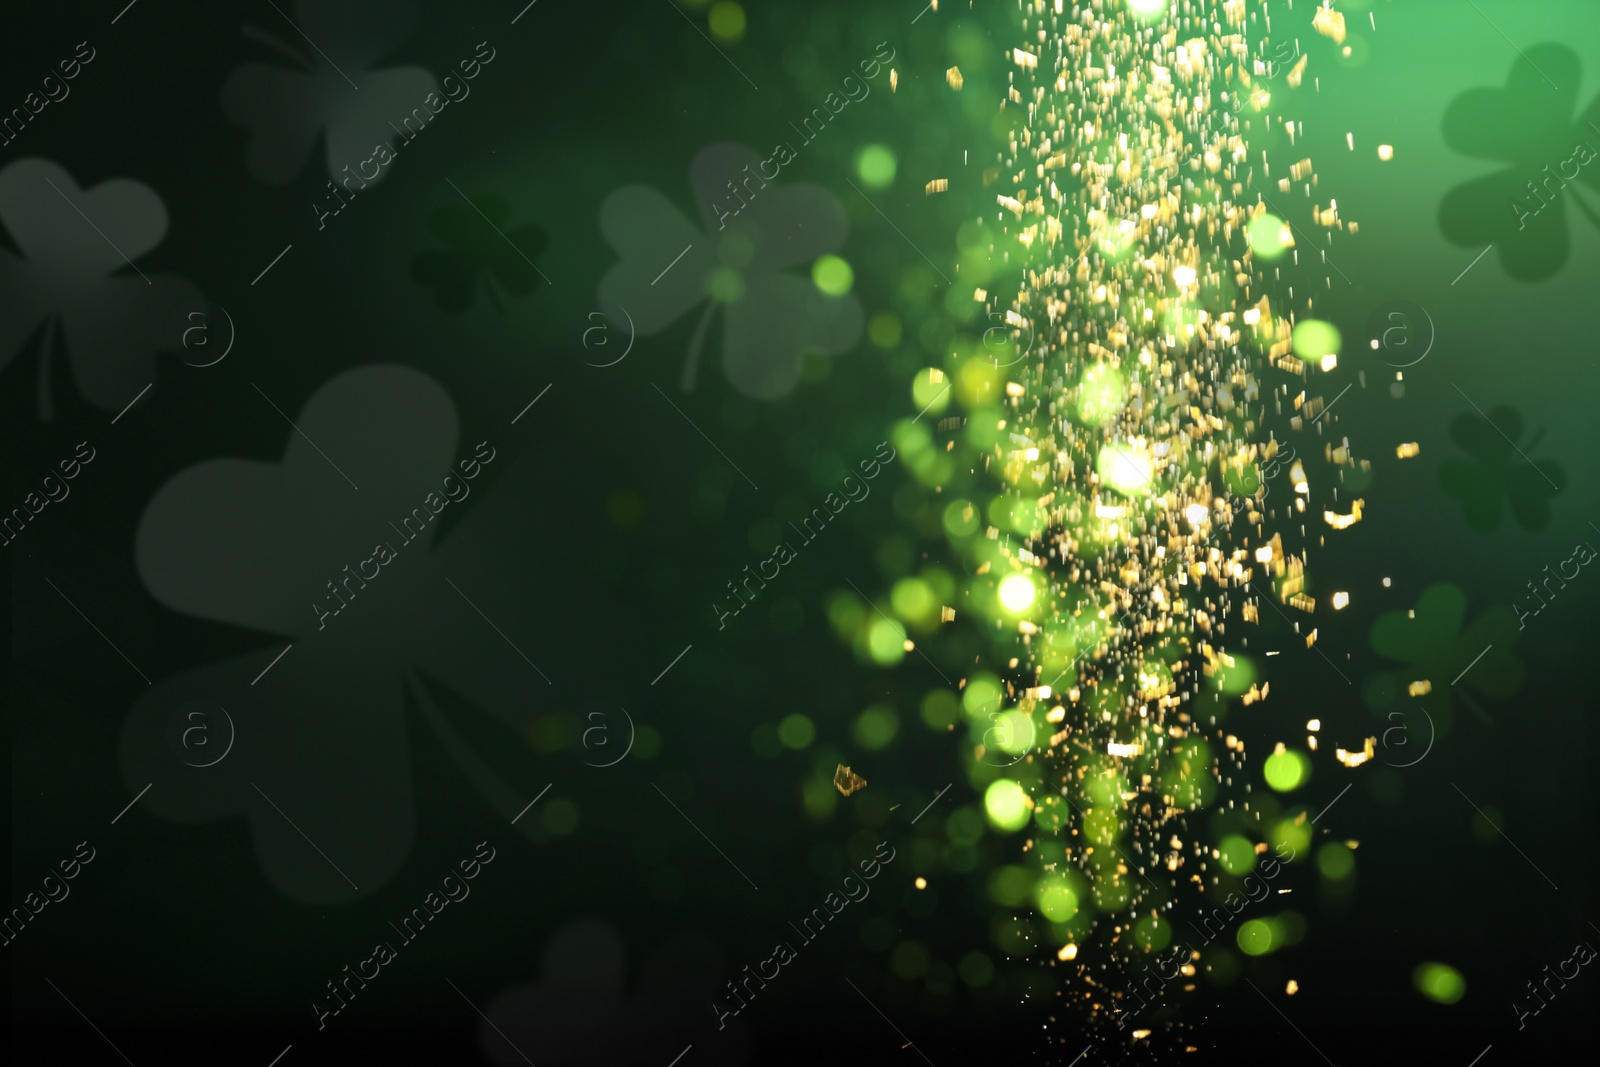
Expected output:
(1431, 642)
(579, 1016)
(1528, 125)
(335, 88)
(277, 548)
(1502, 471)
(669, 266)
(477, 249)
(72, 242)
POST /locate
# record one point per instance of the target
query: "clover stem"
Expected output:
(695, 344)
(1586, 209)
(493, 788)
(1476, 708)
(46, 343)
(263, 37)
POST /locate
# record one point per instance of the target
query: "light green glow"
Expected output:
(1313, 339)
(833, 275)
(1016, 593)
(1269, 236)
(1439, 982)
(1101, 394)
(1126, 470)
(1286, 771)
(876, 165)
(1006, 804)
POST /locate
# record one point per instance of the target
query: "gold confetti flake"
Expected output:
(1292, 988)
(1369, 748)
(847, 781)
(937, 185)
(1419, 689)
(1329, 23)
(922, 883)
(1133, 170)
(1297, 73)
(953, 76)
(894, 79)
(1407, 450)
(1069, 951)
(1344, 522)
(1340, 600)
(1292, 364)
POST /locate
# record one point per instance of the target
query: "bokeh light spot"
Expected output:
(1016, 593)
(1269, 236)
(1007, 805)
(1236, 854)
(796, 731)
(727, 21)
(885, 329)
(1312, 339)
(886, 642)
(1256, 937)
(876, 165)
(876, 726)
(1286, 771)
(1439, 982)
(726, 285)
(833, 275)
(1101, 394)
(1336, 861)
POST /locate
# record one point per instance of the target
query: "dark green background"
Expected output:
(175, 944)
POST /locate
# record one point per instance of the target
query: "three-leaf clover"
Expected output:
(1529, 127)
(478, 247)
(1454, 659)
(335, 88)
(365, 630)
(73, 278)
(734, 261)
(1500, 471)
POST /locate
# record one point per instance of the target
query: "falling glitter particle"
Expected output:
(1153, 340)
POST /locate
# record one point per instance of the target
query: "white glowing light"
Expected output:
(1016, 593)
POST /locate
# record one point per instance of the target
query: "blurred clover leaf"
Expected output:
(1437, 647)
(1500, 471)
(71, 243)
(579, 1014)
(407, 667)
(734, 262)
(1528, 125)
(478, 247)
(286, 109)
